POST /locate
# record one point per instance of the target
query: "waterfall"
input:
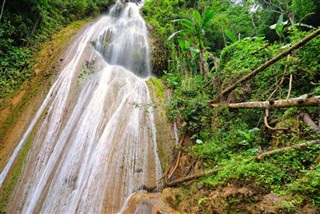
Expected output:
(95, 141)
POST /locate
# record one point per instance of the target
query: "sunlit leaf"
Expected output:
(197, 17)
(208, 15)
(198, 141)
(182, 44)
(230, 35)
(185, 22)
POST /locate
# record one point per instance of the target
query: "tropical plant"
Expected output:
(195, 29)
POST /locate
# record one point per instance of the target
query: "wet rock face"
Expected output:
(143, 202)
(160, 55)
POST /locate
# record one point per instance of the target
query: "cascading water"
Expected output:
(96, 143)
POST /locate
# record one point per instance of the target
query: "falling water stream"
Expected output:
(95, 141)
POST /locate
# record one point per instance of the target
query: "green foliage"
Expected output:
(308, 185)
(189, 103)
(230, 35)
(194, 30)
(27, 23)
(231, 139)
(278, 27)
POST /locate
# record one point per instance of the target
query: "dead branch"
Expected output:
(2, 8)
(290, 86)
(175, 166)
(308, 120)
(303, 18)
(293, 102)
(278, 86)
(178, 158)
(315, 84)
(260, 49)
(266, 122)
(191, 167)
(266, 65)
(288, 148)
(192, 177)
(259, 157)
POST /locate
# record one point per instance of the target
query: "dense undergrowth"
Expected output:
(232, 139)
(25, 25)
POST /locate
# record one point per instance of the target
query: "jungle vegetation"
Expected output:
(209, 45)
(25, 25)
(201, 48)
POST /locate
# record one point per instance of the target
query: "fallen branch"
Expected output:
(290, 86)
(288, 148)
(266, 122)
(192, 177)
(191, 167)
(308, 120)
(266, 65)
(274, 104)
(257, 51)
(259, 157)
(2, 8)
(178, 158)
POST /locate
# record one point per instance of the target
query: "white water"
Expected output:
(96, 143)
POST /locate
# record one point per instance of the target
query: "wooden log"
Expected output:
(274, 104)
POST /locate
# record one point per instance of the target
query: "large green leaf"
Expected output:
(197, 17)
(182, 44)
(230, 35)
(208, 15)
(185, 22)
(280, 24)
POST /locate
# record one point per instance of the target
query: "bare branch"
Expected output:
(308, 120)
(266, 122)
(288, 148)
(290, 86)
(2, 8)
(293, 102)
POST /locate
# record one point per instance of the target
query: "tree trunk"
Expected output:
(201, 58)
(266, 65)
(293, 102)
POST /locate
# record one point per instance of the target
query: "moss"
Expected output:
(12, 178)
(165, 135)
(156, 86)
